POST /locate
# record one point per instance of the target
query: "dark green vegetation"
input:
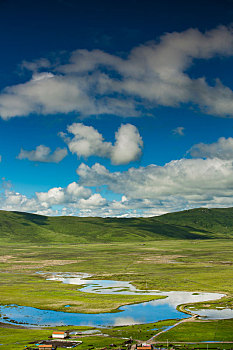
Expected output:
(192, 224)
(218, 222)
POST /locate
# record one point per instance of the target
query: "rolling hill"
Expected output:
(19, 227)
(218, 221)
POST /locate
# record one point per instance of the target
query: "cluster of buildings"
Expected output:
(51, 345)
(59, 336)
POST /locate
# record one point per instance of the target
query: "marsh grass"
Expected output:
(200, 265)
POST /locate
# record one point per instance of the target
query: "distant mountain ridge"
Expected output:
(202, 223)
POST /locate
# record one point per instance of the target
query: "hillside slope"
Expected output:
(18, 227)
(218, 221)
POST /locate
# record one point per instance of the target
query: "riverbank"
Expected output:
(175, 265)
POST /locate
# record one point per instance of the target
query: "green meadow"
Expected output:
(219, 331)
(177, 256)
(16, 339)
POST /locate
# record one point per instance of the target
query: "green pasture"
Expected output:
(191, 265)
(219, 330)
(178, 337)
(17, 339)
(203, 265)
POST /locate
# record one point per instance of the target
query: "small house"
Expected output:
(144, 347)
(60, 335)
(46, 347)
(42, 347)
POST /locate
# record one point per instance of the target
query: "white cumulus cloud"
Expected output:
(53, 202)
(58, 195)
(128, 145)
(94, 201)
(181, 183)
(87, 142)
(43, 154)
(145, 191)
(222, 149)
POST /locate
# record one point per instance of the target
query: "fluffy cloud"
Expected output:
(153, 74)
(222, 149)
(127, 147)
(43, 154)
(179, 184)
(11, 200)
(72, 198)
(47, 93)
(145, 191)
(94, 201)
(87, 142)
(58, 195)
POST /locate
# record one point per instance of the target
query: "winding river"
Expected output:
(147, 312)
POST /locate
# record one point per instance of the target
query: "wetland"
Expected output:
(195, 267)
(162, 308)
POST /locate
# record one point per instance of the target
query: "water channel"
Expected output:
(147, 312)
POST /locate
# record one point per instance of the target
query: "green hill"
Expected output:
(18, 227)
(218, 221)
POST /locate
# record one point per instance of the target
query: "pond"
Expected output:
(173, 298)
(147, 312)
(129, 315)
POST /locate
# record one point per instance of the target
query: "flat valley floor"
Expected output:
(184, 265)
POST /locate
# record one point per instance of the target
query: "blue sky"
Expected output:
(116, 108)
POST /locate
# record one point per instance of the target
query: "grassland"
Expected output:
(150, 261)
(166, 265)
(220, 330)
(178, 337)
(16, 339)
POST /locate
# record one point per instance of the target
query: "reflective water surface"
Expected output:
(130, 314)
(146, 312)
